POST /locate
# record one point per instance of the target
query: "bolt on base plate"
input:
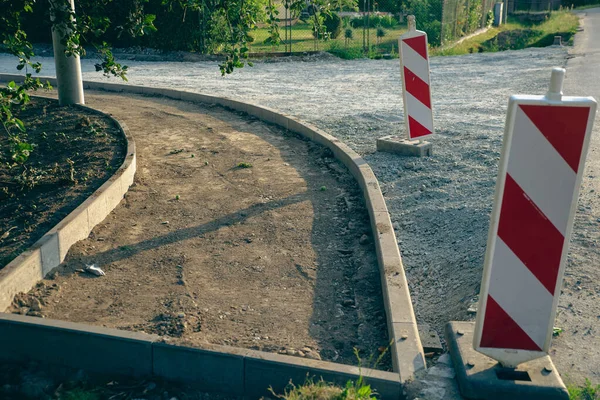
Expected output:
(481, 377)
(395, 144)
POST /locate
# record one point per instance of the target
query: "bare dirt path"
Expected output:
(233, 233)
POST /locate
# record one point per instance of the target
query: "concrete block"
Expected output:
(113, 192)
(20, 275)
(264, 370)
(119, 87)
(372, 192)
(429, 339)
(97, 209)
(168, 93)
(409, 352)
(91, 85)
(397, 145)
(49, 246)
(101, 350)
(72, 229)
(128, 174)
(301, 128)
(191, 97)
(323, 138)
(226, 103)
(209, 370)
(348, 157)
(273, 117)
(481, 377)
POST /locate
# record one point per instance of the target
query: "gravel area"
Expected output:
(439, 205)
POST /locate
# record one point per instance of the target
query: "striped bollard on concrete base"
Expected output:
(416, 95)
(543, 158)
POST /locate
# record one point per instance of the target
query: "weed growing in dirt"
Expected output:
(586, 392)
(323, 188)
(244, 165)
(322, 390)
(556, 331)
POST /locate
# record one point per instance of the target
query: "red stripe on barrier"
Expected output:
(418, 44)
(530, 235)
(500, 331)
(417, 87)
(416, 129)
(564, 127)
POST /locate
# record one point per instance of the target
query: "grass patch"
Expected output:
(520, 32)
(586, 392)
(303, 40)
(322, 390)
(585, 7)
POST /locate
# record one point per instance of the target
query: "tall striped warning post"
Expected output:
(505, 354)
(416, 95)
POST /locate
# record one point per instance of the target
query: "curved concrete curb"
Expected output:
(406, 348)
(227, 370)
(27, 269)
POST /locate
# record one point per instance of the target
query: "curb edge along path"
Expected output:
(33, 264)
(407, 352)
(576, 351)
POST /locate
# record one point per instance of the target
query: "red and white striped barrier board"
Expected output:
(545, 145)
(414, 67)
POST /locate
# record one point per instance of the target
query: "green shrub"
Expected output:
(386, 21)
(350, 53)
(434, 32)
(333, 25)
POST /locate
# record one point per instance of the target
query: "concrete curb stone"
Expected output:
(27, 269)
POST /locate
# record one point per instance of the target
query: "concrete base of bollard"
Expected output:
(557, 41)
(395, 144)
(480, 377)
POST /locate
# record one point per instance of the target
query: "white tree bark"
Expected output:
(68, 68)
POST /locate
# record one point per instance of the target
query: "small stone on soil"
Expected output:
(364, 239)
(348, 302)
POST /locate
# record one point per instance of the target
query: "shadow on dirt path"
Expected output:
(235, 232)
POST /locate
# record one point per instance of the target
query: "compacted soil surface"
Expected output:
(235, 233)
(74, 152)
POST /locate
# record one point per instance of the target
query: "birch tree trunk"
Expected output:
(68, 67)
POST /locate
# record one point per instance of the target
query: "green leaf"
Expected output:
(364, 391)
(20, 125)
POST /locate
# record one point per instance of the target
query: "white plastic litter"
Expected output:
(93, 269)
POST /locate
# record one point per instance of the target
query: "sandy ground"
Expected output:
(440, 206)
(233, 233)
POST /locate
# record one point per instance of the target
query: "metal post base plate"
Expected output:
(480, 377)
(395, 144)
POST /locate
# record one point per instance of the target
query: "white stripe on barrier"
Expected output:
(415, 62)
(532, 306)
(418, 111)
(546, 178)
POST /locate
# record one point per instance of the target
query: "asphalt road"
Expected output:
(576, 351)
